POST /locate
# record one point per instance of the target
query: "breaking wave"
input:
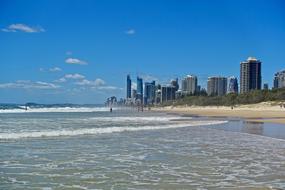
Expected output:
(94, 131)
(60, 109)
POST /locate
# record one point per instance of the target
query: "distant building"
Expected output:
(158, 94)
(134, 94)
(140, 89)
(167, 93)
(250, 75)
(217, 86)
(175, 84)
(233, 85)
(112, 101)
(129, 87)
(198, 88)
(189, 84)
(279, 80)
(149, 92)
(265, 86)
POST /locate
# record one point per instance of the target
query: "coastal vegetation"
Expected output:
(252, 97)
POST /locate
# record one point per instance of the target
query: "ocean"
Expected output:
(91, 148)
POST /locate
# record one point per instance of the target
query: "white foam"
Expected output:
(94, 131)
(62, 109)
(134, 119)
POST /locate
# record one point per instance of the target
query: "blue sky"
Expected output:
(57, 51)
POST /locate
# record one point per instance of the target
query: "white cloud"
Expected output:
(55, 69)
(61, 80)
(74, 76)
(29, 85)
(130, 32)
(75, 61)
(85, 82)
(23, 28)
(99, 82)
(108, 88)
(149, 78)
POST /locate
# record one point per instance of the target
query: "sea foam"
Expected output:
(95, 131)
(61, 109)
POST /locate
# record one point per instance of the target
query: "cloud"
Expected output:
(66, 77)
(74, 76)
(130, 32)
(55, 69)
(108, 88)
(23, 28)
(75, 61)
(61, 80)
(99, 82)
(26, 84)
(85, 82)
(149, 78)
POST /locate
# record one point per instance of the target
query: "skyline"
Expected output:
(69, 51)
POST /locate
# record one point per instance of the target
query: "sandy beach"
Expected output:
(262, 112)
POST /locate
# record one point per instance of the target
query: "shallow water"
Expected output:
(129, 150)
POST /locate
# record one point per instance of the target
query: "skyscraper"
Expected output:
(167, 93)
(129, 87)
(175, 84)
(189, 84)
(217, 86)
(250, 75)
(233, 85)
(279, 79)
(140, 89)
(149, 92)
(265, 86)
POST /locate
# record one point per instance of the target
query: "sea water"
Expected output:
(91, 148)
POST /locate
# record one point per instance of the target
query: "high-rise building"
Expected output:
(250, 75)
(140, 89)
(189, 84)
(175, 84)
(265, 86)
(217, 86)
(279, 80)
(134, 94)
(149, 92)
(129, 87)
(158, 94)
(167, 93)
(233, 85)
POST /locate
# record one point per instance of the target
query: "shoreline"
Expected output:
(262, 112)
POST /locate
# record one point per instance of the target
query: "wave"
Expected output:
(137, 119)
(94, 131)
(61, 109)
